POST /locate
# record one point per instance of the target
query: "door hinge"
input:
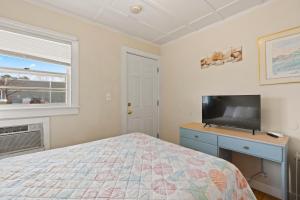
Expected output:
(157, 102)
(157, 135)
(157, 69)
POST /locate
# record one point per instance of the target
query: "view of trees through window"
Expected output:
(28, 81)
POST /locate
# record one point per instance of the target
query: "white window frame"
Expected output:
(43, 110)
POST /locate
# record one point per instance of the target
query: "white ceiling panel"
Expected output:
(127, 24)
(205, 21)
(86, 8)
(219, 3)
(184, 10)
(155, 18)
(238, 6)
(162, 40)
(160, 20)
(179, 33)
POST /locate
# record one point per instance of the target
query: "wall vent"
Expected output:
(22, 136)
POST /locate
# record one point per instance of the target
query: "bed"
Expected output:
(131, 166)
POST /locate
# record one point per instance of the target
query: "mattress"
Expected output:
(131, 166)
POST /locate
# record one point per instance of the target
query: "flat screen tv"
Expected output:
(239, 111)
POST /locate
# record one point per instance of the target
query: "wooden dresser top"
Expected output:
(258, 137)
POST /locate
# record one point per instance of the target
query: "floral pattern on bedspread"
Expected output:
(132, 166)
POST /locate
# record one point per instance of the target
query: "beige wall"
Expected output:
(100, 62)
(183, 82)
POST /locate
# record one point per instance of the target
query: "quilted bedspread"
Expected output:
(132, 166)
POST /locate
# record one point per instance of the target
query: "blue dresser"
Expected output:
(200, 141)
(214, 141)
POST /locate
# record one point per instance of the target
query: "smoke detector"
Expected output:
(136, 9)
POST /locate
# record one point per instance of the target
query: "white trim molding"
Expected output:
(268, 189)
(14, 113)
(124, 52)
(72, 103)
(26, 28)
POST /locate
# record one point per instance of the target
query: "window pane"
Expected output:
(27, 97)
(33, 97)
(15, 75)
(21, 63)
(58, 84)
(40, 83)
(23, 83)
(58, 97)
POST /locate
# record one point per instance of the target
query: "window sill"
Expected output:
(25, 112)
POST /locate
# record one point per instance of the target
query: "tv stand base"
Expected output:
(205, 125)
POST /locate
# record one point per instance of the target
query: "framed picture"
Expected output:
(279, 57)
(233, 54)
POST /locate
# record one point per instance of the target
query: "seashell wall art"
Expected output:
(221, 57)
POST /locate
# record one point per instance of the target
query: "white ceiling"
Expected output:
(160, 21)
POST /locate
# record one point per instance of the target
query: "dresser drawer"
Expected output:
(266, 151)
(199, 136)
(199, 146)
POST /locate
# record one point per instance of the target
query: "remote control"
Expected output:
(274, 134)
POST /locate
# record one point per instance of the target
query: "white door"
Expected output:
(142, 95)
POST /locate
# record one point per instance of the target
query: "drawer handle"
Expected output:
(196, 136)
(246, 147)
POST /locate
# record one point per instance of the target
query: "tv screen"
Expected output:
(240, 111)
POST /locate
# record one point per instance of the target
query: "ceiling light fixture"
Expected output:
(136, 9)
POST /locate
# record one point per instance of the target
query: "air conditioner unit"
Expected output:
(23, 136)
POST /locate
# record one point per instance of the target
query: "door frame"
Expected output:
(124, 51)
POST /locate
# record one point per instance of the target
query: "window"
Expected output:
(27, 81)
(38, 69)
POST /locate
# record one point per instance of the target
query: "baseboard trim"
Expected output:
(273, 191)
(266, 188)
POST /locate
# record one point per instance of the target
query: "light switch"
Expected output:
(108, 97)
